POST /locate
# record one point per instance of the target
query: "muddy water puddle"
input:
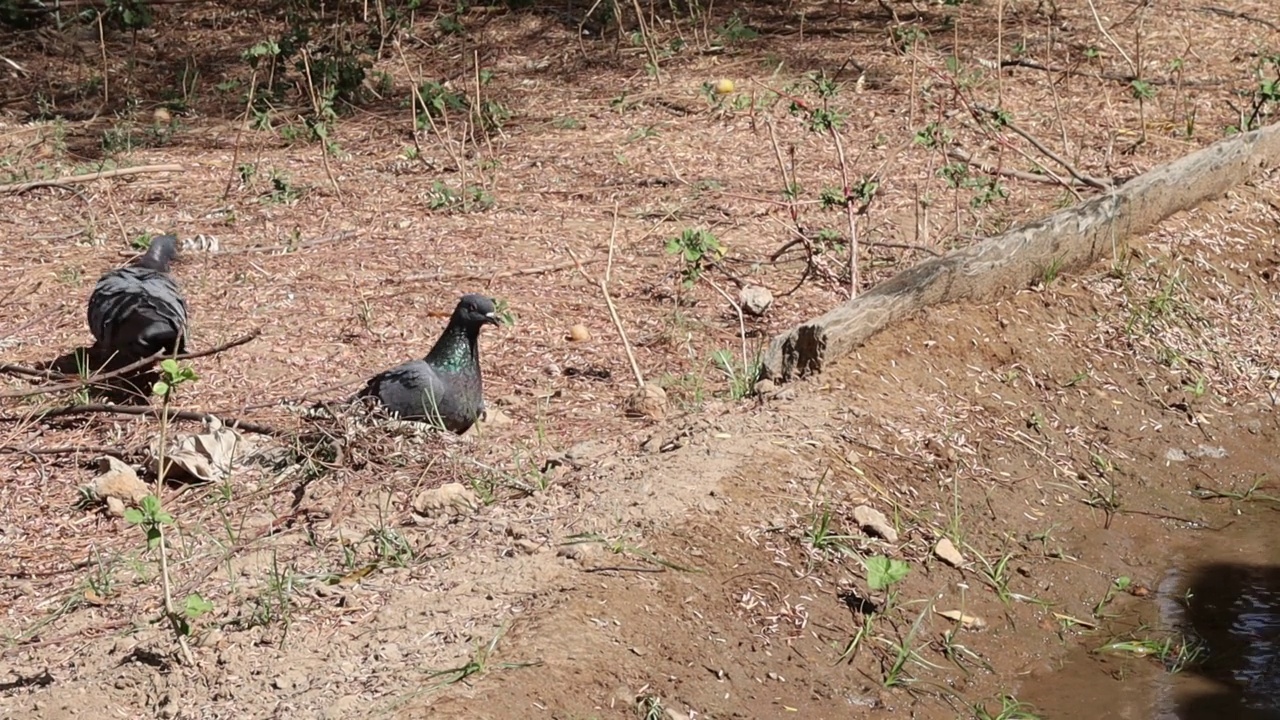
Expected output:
(1214, 620)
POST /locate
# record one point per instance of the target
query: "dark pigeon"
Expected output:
(444, 388)
(138, 310)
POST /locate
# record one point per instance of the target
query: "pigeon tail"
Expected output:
(161, 252)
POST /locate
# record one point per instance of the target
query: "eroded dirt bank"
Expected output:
(1063, 439)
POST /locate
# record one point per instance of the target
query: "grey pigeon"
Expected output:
(444, 388)
(138, 310)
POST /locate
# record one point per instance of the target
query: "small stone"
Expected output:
(947, 552)
(872, 520)
(586, 451)
(528, 546)
(968, 621)
(115, 506)
(448, 499)
(492, 418)
(579, 333)
(117, 480)
(161, 116)
(578, 551)
(1209, 451)
(1175, 455)
(648, 402)
(390, 652)
(766, 388)
(755, 300)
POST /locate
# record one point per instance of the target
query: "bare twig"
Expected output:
(1035, 142)
(88, 177)
(1237, 16)
(742, 324)
(537, 270)
(604, 288)
(324, 240)
(1112, 40)
(848, 205)
(964, 157)
(96, 378)
(64, 450)
(91, 409)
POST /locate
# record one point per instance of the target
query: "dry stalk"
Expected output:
(848, 205)
(196, 415)
(603, 283)
(235, 153)
(742, 323)
(1098, 21)
(88, 177)
(99, 377)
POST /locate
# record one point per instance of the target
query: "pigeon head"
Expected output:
(160, 253)
(475, 310)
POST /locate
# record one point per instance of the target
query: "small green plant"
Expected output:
(699, 249)
(470, 198)
(1050, 272)
(734, 30)
(883, 573)
(1010, 709)
(742, 374)
(282, 189)
(1119, 585)
(1174, 652)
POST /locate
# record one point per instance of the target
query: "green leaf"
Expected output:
(133, 516)
(161, 388)
(169, 367)
(883, 572)
(153, 537)
(196, 606)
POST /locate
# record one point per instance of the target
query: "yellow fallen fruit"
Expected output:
(724, 86)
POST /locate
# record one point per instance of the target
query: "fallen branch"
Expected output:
(288, 248)
(1086, 179)
(99, 377)
(1000, 265)
(537, 270)
(1237, 16)
(604, 289)
(148, 412)
(964, 157)
(89, 177)
(67, 450)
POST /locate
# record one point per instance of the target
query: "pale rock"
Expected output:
(648, 402)
(448, 499)
(872, 520)
(117, 482)
(755, 300)
(947, 552)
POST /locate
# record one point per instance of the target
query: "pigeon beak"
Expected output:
(492, 318)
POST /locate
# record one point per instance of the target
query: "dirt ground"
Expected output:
(709, 564)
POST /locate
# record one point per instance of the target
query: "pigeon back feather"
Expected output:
(138, 310)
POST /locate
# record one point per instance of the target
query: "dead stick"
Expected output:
(67, 450)
(613, 311)
(323, 240)
(1086, 179)
(848, 204)
(148, 412)
(90, 177)
(27, 392)
(540, 269)
(964, 157)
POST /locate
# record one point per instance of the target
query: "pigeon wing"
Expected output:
(137, 312)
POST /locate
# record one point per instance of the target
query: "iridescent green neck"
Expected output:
(457, 350)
